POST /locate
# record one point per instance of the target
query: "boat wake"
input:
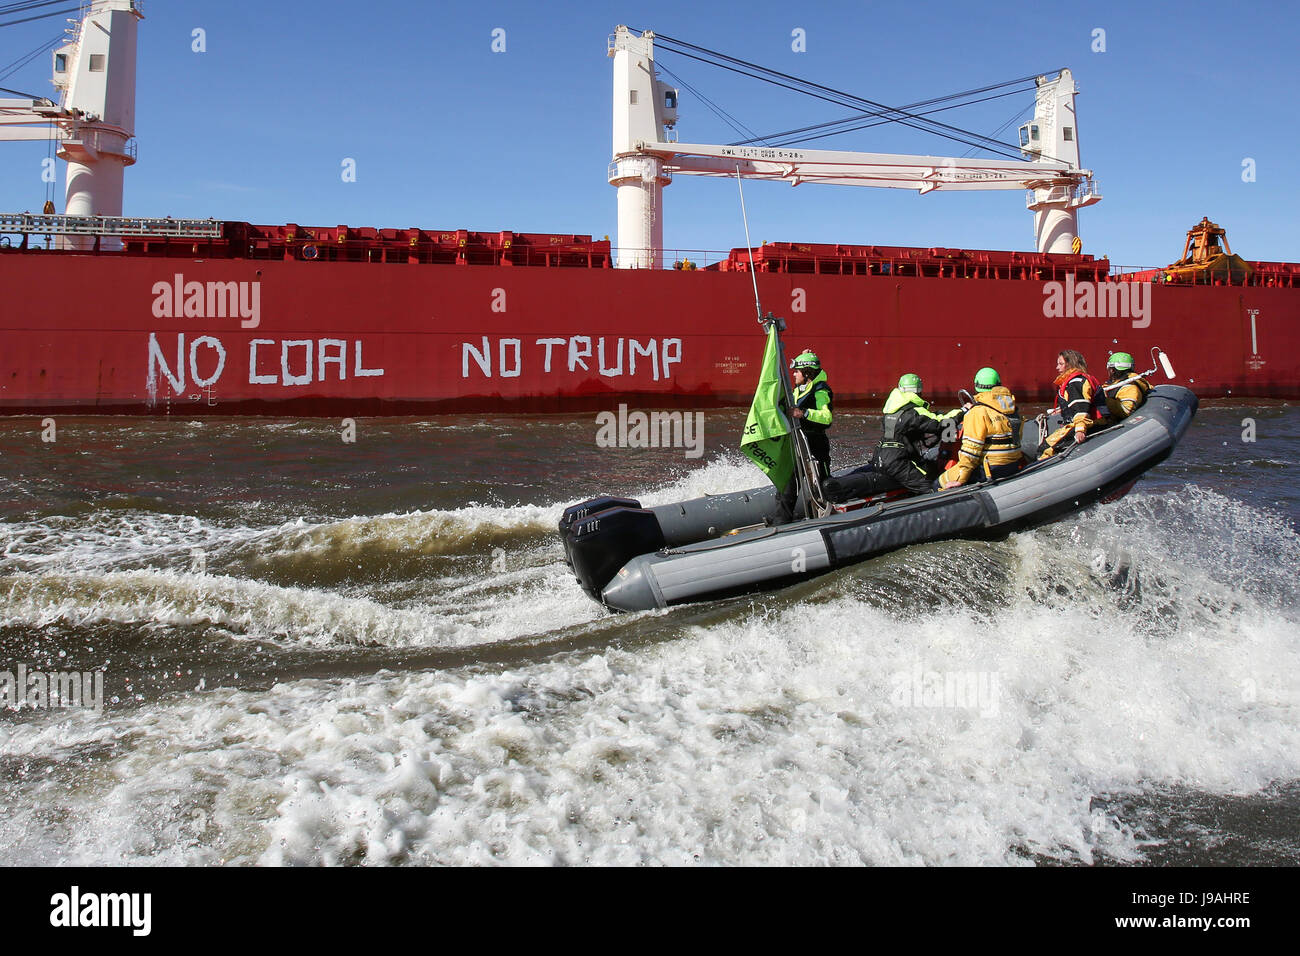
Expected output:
(421, 580)
(965, 702)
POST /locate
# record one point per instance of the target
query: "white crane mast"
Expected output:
(646, 156)
(95, 121)
(644, 109)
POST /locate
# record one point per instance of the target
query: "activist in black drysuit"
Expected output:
(901, 459)
(907, 424)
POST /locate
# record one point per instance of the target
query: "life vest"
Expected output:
(898, 403)
(889, 428)
(907, 421)
(1097, 406)
(1003, 443)
(1115, 403)
(805, 397)
(990, 441)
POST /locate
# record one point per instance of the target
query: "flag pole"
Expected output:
(758, 308)
(805, 473)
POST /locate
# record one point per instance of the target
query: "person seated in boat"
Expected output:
(1079, 397)
(990, 441)
(813, 407)
(1124, 401)
(909, 431)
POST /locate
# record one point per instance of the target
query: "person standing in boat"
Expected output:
(1124, 401)
(990, 441)
(1080, 398)
(813, 407)
(908, 422)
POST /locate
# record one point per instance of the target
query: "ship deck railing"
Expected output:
(215, 239)
(35, 224)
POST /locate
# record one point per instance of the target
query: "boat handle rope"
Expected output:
(721, 543)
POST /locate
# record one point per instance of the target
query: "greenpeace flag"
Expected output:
(767, 440)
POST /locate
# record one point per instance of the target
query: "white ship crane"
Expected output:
(94, 122)
(646, 156)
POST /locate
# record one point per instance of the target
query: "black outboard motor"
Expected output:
(603, 534)
(585, 509)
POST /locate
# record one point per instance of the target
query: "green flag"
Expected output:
(767, 440)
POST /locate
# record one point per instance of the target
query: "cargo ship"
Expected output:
(195, 317)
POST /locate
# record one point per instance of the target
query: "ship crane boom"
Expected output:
(922, 173)
(646, 156)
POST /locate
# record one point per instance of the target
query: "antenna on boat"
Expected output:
(807, 477)
(758, 308)
(1159, 360)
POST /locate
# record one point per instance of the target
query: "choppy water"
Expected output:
(319, 652)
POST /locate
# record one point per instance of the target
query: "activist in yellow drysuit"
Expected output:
(990, 441)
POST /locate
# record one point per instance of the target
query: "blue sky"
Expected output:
(448, 134)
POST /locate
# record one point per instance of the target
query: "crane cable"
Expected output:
(1015, 119)
(30, 5)
(963, 140)
(26, 5)
(902, 115)
(882, 122)
(920, 103)
(22, 61)
(718, 111)
(811, 87)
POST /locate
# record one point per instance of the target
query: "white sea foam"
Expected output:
(776, 735)
(730, 472)
(111, 538)
(462, 613)
(458, 530)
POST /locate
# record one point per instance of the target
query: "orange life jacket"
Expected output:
(1097, 409)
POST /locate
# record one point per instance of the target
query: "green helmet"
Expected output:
(806, 359)
(1121, 361)
(987, 378)
(911, 382)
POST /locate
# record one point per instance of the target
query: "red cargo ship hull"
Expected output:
(282, 321)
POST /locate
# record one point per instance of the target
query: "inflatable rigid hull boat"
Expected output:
(632, 558)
